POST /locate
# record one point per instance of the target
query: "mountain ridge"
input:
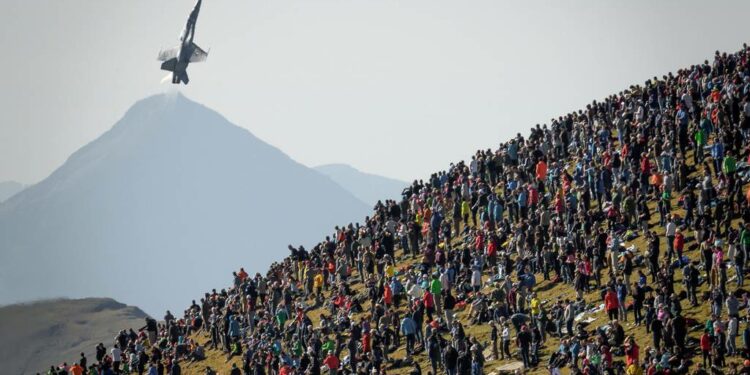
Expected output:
(367, 187)
(60, 328)
(169, 183)
(10, 188)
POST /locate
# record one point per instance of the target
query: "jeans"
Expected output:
(731, 344)
(505, 353)
(706, 356)
(637, 312)
(410, 339)
(525, 356)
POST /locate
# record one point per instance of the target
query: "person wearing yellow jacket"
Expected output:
(465, 211)
(318, 283)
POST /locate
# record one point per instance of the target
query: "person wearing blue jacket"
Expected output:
(523, 200)
(717, 155)
(409, 330)
(622, 292)
(234, 327)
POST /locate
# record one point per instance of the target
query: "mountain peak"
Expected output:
(170, 184)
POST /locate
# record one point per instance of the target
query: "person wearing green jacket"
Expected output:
(700, 141)
(436, 288)
(729, 167)
(745, 239)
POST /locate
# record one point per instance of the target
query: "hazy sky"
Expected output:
(398, 88)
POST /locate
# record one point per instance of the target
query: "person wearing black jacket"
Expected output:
(656, 332)
(176, 369)
(679, 332)
(690, 278)
(101, 351)
(450, 359)
(523, 340)
(449, 302)
(638, 296)
(464, 362)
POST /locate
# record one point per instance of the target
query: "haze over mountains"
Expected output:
(369, 188)
(39, 334)
(162, 207)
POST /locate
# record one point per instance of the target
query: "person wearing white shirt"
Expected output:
(116, 358)
(415, 292)
(669, 232)
(476, 279)
(506, 342)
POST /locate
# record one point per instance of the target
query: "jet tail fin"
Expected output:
(182, 77)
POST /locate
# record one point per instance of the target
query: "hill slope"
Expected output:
(9, 189)
(369, 188)
(160, 208)
(39, 334)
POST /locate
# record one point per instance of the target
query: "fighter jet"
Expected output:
(177, 59)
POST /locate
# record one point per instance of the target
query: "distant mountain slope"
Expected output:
(161, 208)
(9, 189)
(40, 334)
(369, 188)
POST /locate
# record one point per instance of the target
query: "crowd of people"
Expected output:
(556, 250)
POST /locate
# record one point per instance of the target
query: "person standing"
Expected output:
(116, 358)
(505, 353)
(611, 303)
(638, 298)
(409, 330)
(450, 359)
(670, 229)
(332, 362)
(494, 336)
(523, 340)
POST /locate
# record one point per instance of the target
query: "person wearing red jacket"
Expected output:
(631, 352)
(706, 348)
(387, 295)
(611, 303)
(429, 303)
(645, 163)
(332, 362)
(366, 342)
(286, 370)
(679, 243)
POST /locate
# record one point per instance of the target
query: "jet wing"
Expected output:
(168, 54)
(198, 54)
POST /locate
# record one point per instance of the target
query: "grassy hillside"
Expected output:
(546, 291)
(39, 334)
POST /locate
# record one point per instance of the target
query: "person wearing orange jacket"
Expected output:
(76, 369)
(611, 303)
(541, 170)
